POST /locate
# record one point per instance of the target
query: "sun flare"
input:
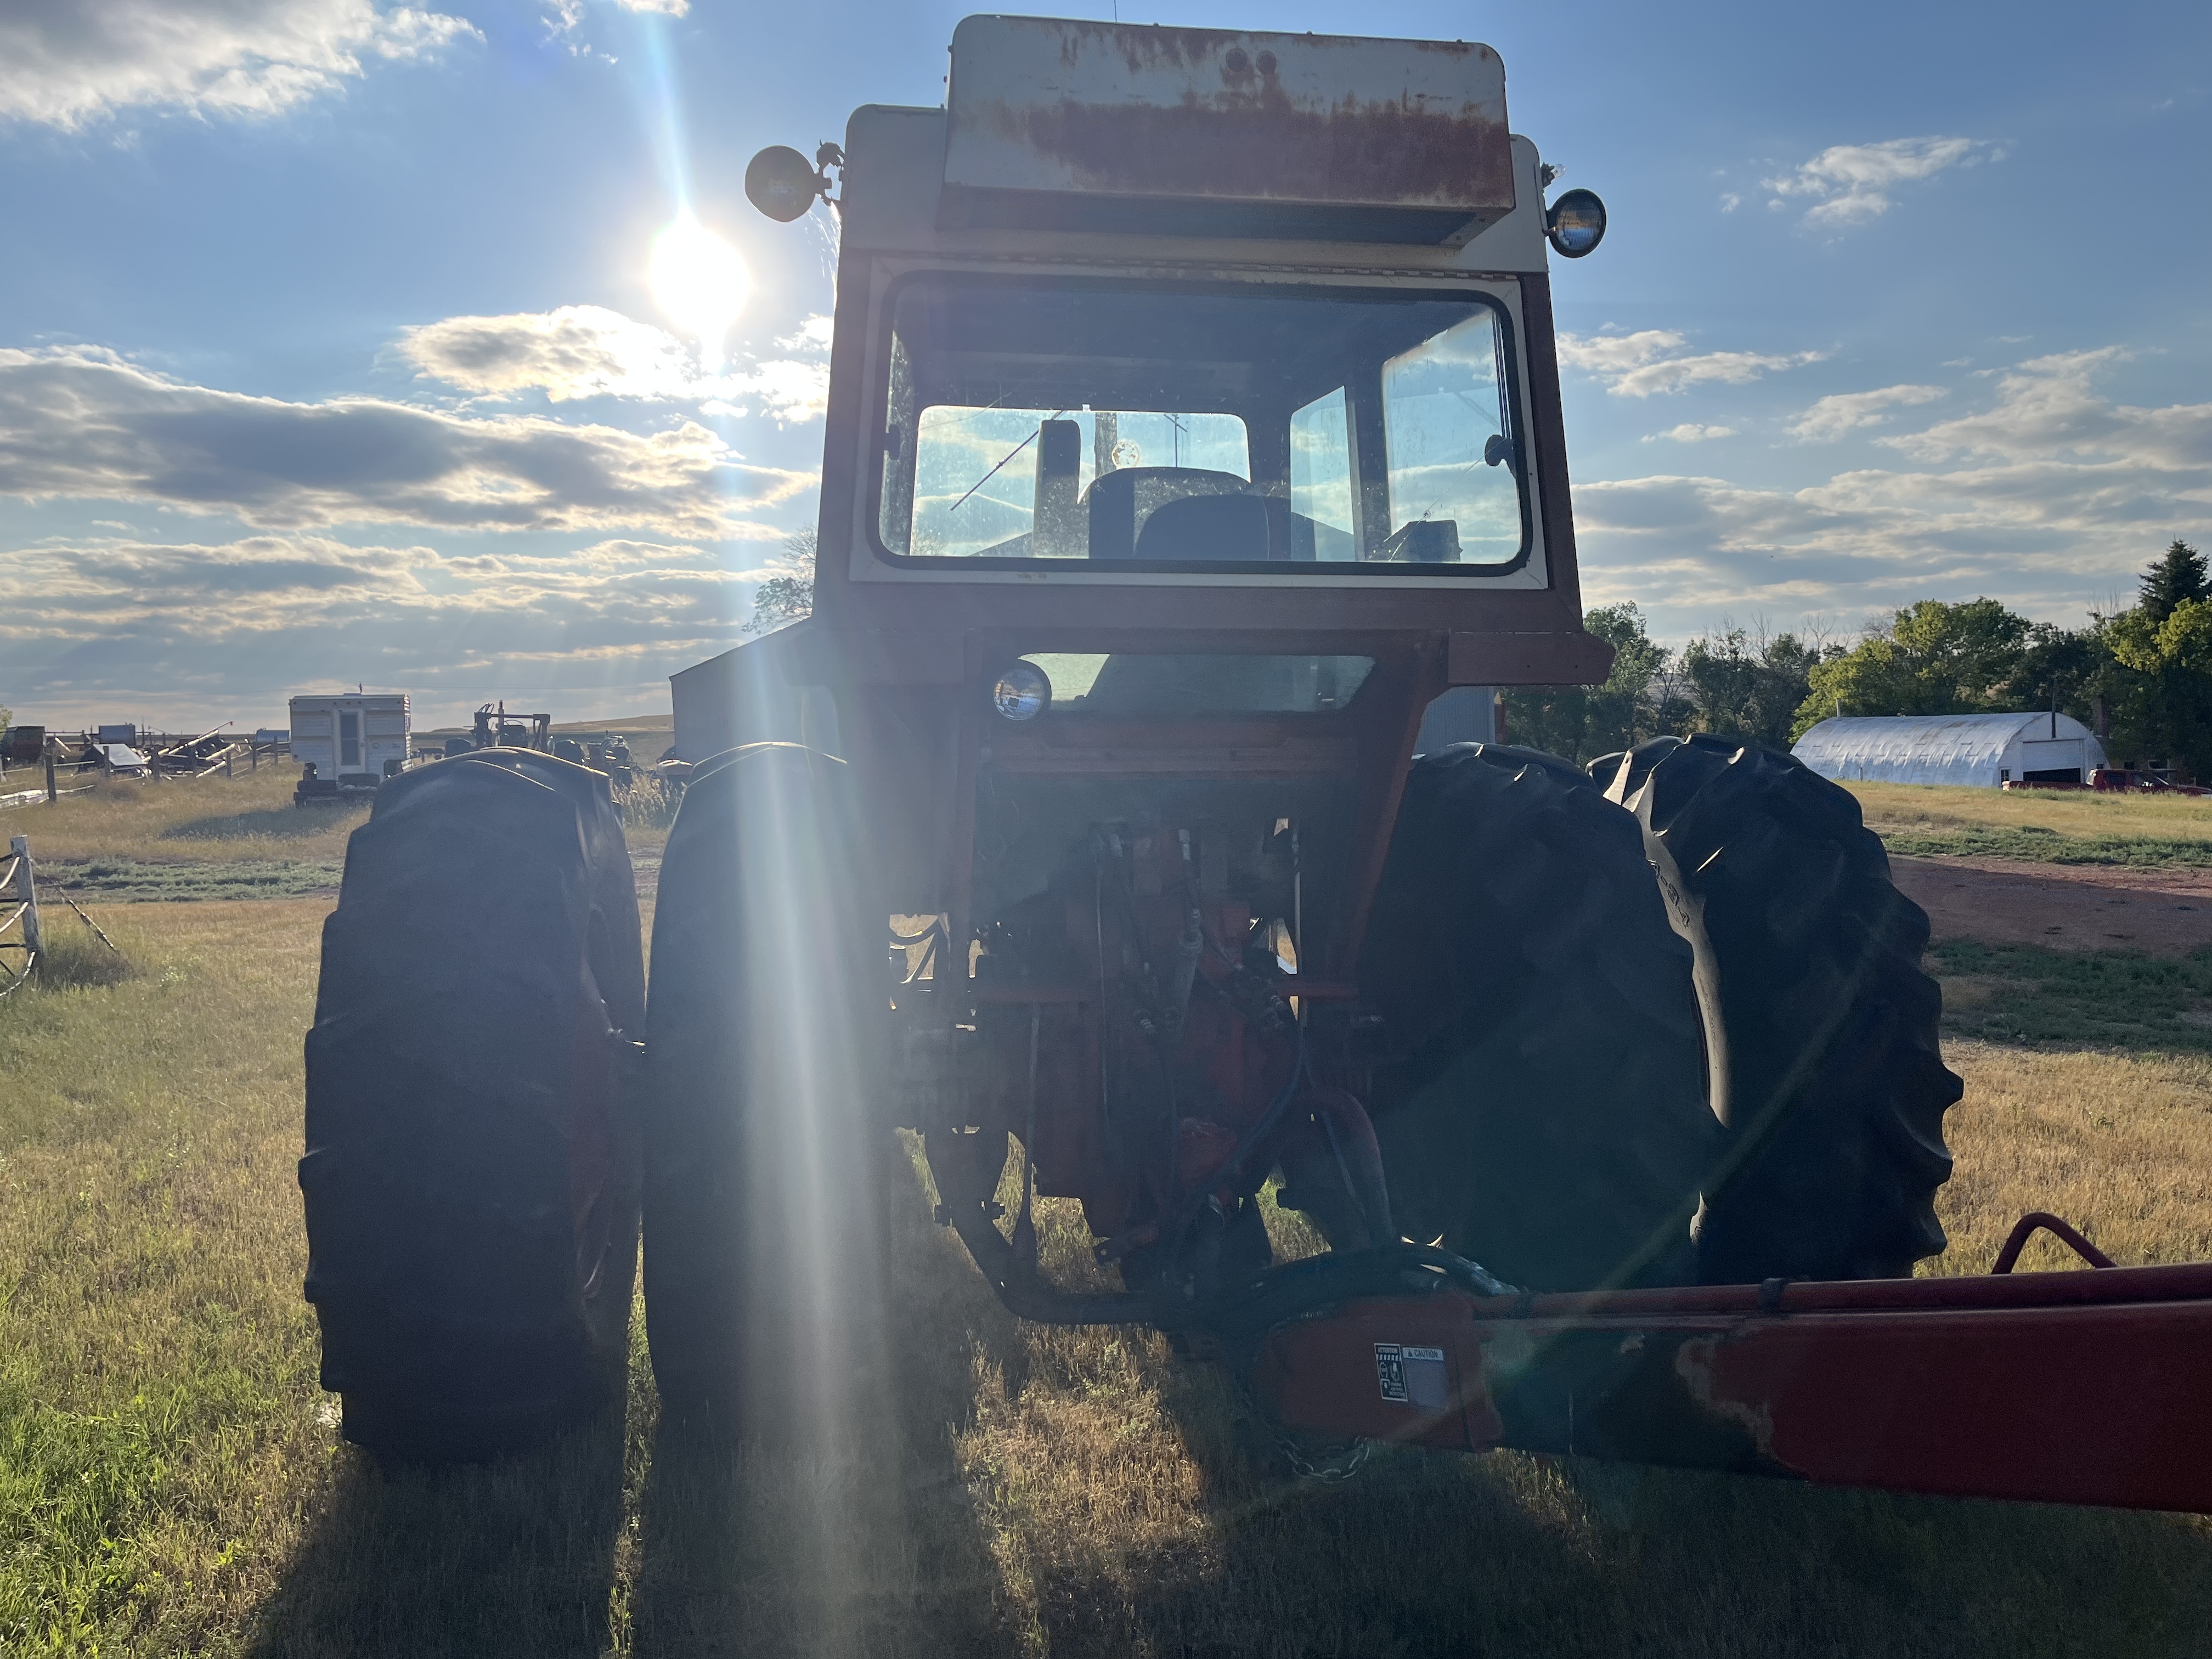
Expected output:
(700, 281)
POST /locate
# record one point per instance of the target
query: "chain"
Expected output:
(1311, 1457)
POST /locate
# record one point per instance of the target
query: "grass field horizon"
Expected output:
(170, 1480)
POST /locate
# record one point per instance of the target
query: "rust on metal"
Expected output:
(1102, 109)
(2070, 1386)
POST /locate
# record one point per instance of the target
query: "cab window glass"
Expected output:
(1164, 426)
(1016, 483)
(1451, 461)
(1320, 474)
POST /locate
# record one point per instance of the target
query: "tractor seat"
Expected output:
(1175, 512)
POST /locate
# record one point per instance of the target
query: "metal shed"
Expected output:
(1985, 750)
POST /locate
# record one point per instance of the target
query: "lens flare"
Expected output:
(700, 281)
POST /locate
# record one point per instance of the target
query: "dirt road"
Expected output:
(2064, 907)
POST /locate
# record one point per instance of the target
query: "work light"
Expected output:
(1576, 222)
(783, 184)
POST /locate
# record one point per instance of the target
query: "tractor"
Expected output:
(1194, 464)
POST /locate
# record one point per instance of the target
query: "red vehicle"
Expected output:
(1194, 437)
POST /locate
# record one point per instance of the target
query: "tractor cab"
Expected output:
(1193, 413)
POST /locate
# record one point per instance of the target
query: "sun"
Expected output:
(700, 281)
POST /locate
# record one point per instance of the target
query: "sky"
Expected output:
(331, 353)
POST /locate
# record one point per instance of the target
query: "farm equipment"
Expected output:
(348, 742)
(493, 727)
(1195, 427)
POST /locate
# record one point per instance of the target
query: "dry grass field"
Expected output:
(248, 818)
(170, 1482)
(2063, 826)
(216, 837)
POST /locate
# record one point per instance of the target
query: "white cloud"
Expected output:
(589, 351)
(567, 18)
(1847, 412)
(2048, 410)
(2049, 499)
(229, 628)
(1690, 433)
(70, 62)
(1651, 361)
(793, 392)
(1850, 184)
(79, 422)
(577, 351)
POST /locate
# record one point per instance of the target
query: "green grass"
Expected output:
(132, 878)
(170, 1482)
(2039, 846)
(2025, 994)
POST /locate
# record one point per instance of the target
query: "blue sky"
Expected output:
(329, 351)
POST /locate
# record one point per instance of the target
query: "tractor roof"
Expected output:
(1103, 126)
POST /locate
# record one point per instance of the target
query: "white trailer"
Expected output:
(347, 740)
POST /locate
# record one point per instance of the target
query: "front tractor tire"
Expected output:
(765, 1144)
(471, 1169)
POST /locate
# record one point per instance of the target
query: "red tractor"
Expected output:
(1193, 461)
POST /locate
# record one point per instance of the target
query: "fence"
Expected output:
(17, 888)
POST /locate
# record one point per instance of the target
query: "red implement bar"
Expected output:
(2073, 1387)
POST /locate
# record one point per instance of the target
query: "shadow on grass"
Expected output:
(514, 1558)
(266, 824)
(2029, 994)
(875, 1546)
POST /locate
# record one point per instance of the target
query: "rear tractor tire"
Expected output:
(1550, 1121)
(471, 1168)
(766, 1148)
(1827, 1070)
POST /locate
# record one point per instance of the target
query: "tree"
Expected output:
(1746, 686)
(2169, 718)
(1930, 657)
(2070, 669)
(2172, 580)
(787, 593)
(1582, 722)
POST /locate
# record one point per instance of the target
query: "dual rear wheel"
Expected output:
(1729, 1073)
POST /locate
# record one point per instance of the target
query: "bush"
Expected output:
(649, 803)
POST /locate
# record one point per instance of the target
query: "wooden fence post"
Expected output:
(21, 847)
(52, 795)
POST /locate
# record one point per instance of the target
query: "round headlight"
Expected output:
(781, 183)
(1022, 692)
(1576, 223)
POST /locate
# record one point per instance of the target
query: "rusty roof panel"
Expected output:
(1273, 133)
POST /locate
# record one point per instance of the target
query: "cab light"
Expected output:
(1021, 692)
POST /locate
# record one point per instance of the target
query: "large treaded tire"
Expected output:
(765, 1139)
(1551, 1123)
(1822, 1025)
(471, 1171)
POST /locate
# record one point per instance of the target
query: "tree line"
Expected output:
(2141, 677)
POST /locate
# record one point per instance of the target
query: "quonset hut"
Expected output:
(1987, 749)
